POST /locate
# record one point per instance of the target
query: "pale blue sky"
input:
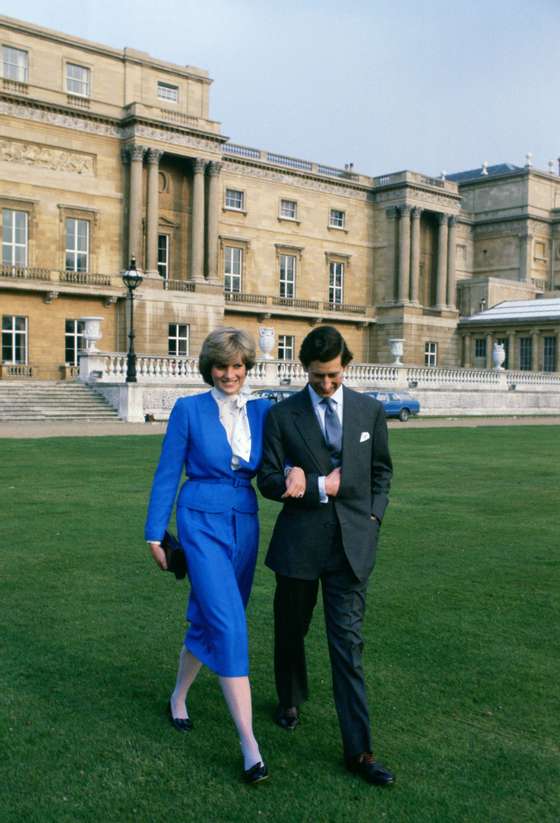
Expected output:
(385, 84)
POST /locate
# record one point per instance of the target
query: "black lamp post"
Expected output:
(132, 280)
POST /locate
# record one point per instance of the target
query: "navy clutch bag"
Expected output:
(174, 555)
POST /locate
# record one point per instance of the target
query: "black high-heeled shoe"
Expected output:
(256, 774)
(181, 724)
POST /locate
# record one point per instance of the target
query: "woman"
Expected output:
(217, 437)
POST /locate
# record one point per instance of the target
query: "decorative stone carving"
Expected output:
(136, 151)
(168, 136)
(266, 341)
(44, 115)
(154, 156)
(92, 332)
(498, 356)
(199, 165)
(214, 168)
(396, 346)
(296, 180)
(35, 154)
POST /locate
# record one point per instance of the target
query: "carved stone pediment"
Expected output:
(26, 153)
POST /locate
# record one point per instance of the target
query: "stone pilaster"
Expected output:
(415, 256)
(136, 158)
(525, 256)
(214, 170)
(535, 350)
(451, 268)
(404, 254)
(197, 220)
(467, 351)
(153, 157)
(489, 346)
(512, 361)
(441, 286)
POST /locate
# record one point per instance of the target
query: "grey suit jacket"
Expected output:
(293, 437)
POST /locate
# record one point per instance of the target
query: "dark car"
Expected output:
(399, 404)
(276, 395)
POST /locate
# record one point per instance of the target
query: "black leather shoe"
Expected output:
(256, 774)
(179, 723)
(373, 772)
(287, 719)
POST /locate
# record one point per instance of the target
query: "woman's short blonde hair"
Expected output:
(222, 346)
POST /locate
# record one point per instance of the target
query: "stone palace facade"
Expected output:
(107, 154)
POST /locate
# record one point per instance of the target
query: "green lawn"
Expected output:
(461, 647)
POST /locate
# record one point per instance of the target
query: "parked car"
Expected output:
(276, 395)
(399, 404)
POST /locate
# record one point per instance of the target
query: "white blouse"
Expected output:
(233, 417)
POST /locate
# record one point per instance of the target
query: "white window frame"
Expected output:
(12, 69)
(74, 253)
(176, 336)
(163, 259)
(167, 91)
(10, 243)
(73, 339)
(336, 282)
(233, 268)
(82, 83)
(286, 346)
(337, 219)
(430, 354)
(13, 334)
(234, 200)
(288, 209)
(287, 267)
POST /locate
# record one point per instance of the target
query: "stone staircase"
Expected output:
(37, 400)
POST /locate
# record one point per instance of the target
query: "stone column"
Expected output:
(136, 155)
(154, 156)
(535, 345)
(467, 351)
(489, 345)
(451, 253)
(415, 256)
(197, 221)
(404, 254)
(525, 255)
(511, 350)
(442, 262)
(214, 170)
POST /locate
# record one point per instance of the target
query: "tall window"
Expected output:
(77, 244)
(480, 347)
(549, 363)
(288, 209)
(178, 339)
(166, 91)
(163, 256)
(286, 346)
(15, 64)
(77, 80)
(287, 275)
(14, 339)
(14, 237)
(430, 354)
(337, 219)
(525, 353)
(233, 261)
(235, 199)
(336, 282)
(73, 341)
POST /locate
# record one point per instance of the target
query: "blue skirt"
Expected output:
(221, 550)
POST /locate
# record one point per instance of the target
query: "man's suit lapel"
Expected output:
(351, 429)
(308, 426)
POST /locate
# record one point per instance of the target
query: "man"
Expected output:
(326, 457)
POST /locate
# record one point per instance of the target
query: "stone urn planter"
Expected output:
(266, 341)
(92, 333)
(498, 356)
(396, 346)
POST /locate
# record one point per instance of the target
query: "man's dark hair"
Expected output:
(324, 343)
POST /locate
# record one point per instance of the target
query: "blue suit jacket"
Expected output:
(196, 441)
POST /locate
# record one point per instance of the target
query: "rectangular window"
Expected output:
(178, 339)
(14, 237)
(430, 354)
(288, 209)
(166, 91)
(77, 80)
(287, 275)
(549, 363)
(233, 261)
(525, 353)
(14, 339)
(15, 64)
(337, 219)
(163, 256)
(336, 282)
(77, 244)
(286, 346)
(73, 341)
(480, 347)
(235, 199)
